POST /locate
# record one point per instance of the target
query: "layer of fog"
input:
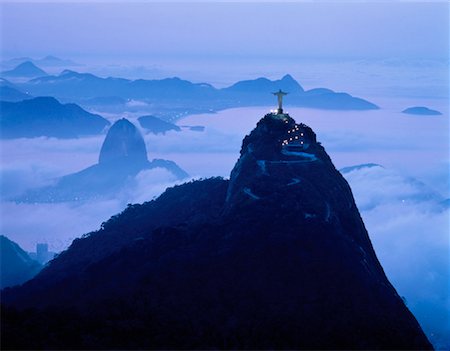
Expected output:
(409, 229)
(59, 223)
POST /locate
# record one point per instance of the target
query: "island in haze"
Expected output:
(156, 125)
(422, 111)
(276, 257)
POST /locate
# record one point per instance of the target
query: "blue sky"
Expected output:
(332, 30)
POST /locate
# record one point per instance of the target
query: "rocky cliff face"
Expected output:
(123, 142)
(276, 257)
(284, 168)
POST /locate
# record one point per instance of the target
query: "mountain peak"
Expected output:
(275, 134)
(290, 84)
(67, 72)
(27, 64)
(278, 152)
(264, 85)
(123, 142)
(288, 77)
(25, 69)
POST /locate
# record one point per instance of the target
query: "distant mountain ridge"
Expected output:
(176, 92)
(46, 116)
(26, 69)
(287, 83)
(47, 61)
(9, 92)
(53, 61)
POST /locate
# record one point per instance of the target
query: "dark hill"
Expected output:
(180, 95)
(275, 258)
(16, 266)
(157, 125)
(26, 69)
(45, 116)
(421, 110)
(11, 94)
(123, 141)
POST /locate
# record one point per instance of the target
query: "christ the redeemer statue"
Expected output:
(280, 95)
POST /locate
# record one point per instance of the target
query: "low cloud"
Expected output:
(148, 184)
(55, 224)
(59, 223)
(186, 141)
(378, 186)
(409, 229)
(15, 181)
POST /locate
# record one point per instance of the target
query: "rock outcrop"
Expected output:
(122, 156)
(123, 143)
